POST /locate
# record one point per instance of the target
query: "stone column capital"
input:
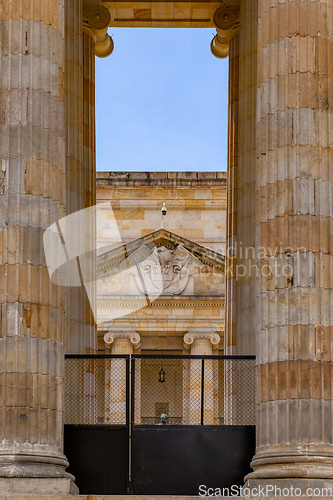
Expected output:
(96, 20)
(197, 334)
(131, 336)
(226, 22)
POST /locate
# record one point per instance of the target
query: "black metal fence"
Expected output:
(159, 390)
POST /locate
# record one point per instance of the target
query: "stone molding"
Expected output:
(96, 20)
(161, 178)
(226, 22)
(217, 301)
(132, 336)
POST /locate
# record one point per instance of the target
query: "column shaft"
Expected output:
(81, 334)
(241, 260)
(32, 196)
(232, 193)
(89, 184)
(245, 241)
(115, 377)
(200, 344)
(294, 228)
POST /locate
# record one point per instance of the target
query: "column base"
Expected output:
(33, 465)
(292, 469)
(35, 473)
(38, 486)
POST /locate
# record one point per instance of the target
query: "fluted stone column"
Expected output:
(231, 341)
(86, 30)
(232, 193)
(246, 264)
(120, 342)
(96, 41)
(241, 262)
(294, 228)
(240, 250)
(41, 155)
(86, 36)
(200, 341)
(32, 196)
(75, 296)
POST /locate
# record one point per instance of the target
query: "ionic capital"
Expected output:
(131, 337)
(227, 26)
(203, 335)
(96, 20)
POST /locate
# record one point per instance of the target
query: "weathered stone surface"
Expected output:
(32, 341)
(19, 488)
(293, 244)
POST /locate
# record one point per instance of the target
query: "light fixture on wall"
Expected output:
(164, 209)
(163, 213)
(161, 374)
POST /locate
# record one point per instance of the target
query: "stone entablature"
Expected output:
(178, 178)
(156, 14)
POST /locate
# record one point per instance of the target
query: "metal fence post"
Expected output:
(202, 390)
(131, 398)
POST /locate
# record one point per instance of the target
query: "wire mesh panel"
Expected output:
(95, 390)
(238, 392)
(159, 391)
(194, 391)
(177, 390)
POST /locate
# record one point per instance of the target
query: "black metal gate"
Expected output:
(178, 460)
(115, 440)
(98, 457)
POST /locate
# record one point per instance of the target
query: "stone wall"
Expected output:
(196, 203)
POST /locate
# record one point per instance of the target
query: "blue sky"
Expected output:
(161, 102)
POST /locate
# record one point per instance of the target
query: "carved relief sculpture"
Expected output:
(164, 272)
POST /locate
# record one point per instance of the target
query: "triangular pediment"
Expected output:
(125, 255)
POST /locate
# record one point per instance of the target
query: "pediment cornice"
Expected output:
(114, 259)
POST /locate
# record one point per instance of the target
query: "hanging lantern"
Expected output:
(161, 375)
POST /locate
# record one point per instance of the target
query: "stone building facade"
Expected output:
(279, 200)
(170, 300)
(190, 236)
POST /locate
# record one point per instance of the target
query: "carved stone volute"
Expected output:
(227, 26)
(96, 20)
